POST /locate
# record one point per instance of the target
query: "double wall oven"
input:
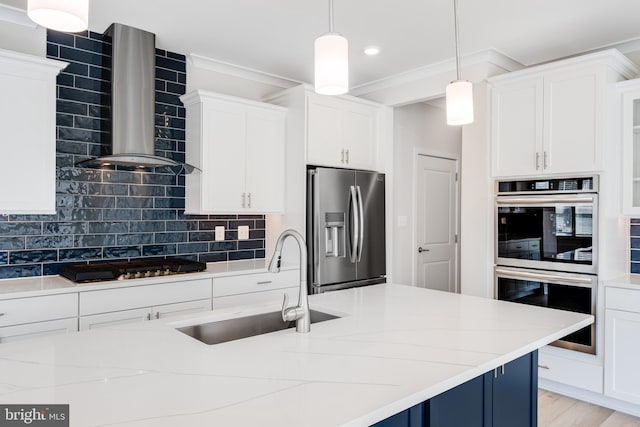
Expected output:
(547, 248)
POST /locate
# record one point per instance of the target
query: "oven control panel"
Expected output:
(553, 185)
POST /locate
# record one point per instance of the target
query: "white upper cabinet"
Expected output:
(630, 106)
(341, 133)
(552, 119)
(28, 121)
(335, 131)
(238, 145)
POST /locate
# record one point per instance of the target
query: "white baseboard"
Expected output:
(589, 396)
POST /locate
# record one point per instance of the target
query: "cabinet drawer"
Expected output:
(38, 329)
(274, 296)
(36, 309)
(570, 372)
(518, 246)
(94, 302)
(248, 283)
(623, 299)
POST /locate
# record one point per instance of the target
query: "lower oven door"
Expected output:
(562, 291)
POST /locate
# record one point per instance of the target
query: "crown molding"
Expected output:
(15, 16)
(484, 57)
(234, 70)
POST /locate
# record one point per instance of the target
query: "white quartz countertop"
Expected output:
(48, 285)
(396, 346)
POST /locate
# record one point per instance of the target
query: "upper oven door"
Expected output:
(551, 232)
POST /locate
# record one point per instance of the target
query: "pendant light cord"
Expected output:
(331, 16)
(455, 23)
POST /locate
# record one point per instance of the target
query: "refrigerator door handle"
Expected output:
(361, 221)
(355, 230)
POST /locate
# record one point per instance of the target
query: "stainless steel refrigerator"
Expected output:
(345, 228)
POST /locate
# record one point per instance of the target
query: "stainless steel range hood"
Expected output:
(133, 101)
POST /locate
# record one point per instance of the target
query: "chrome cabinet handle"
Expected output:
(420, 250)
(342, 156)
(148, 316)
(347, 156)
(2, 314)
(543, 367)
(545, 162)
(537, 161)
(157, 314)
(265, 282)
(249, 200)
(244, 199)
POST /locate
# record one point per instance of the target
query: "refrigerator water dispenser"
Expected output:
(334, 233)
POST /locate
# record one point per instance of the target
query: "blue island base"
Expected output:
(504, 397)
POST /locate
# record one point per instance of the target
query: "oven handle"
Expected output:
(505, 200)
(543, 277)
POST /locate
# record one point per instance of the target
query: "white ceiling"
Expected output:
(276, 36)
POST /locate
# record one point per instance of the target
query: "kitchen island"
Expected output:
(392, 348)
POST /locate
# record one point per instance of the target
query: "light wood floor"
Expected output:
(555, 410)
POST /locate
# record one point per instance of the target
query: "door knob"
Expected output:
(422, 250)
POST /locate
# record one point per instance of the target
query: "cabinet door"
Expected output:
(443, 410)
(631, 152)
(177, 309)
(115, 318)
(572, 121)
(38, 329)
(515, 395)
(324, 132)
(516, 127)
(622, 352)
(358, 136)
(223, 153)
(265, 160)
(27, 118)
(412, 417)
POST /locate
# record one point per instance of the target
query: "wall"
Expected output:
(476, 226)
(418, 128)
(18, 32)
(120, 213)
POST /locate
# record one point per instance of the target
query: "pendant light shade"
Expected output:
(459, 92)
(331, 61)
(459, 102)
(331, 64)
(70, 16)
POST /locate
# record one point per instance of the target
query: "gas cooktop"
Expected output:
(81, 273)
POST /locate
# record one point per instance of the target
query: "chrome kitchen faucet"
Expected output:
(299, 313)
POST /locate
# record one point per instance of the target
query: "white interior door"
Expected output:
(437, 198)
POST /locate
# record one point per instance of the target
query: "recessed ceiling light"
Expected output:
(371, 50)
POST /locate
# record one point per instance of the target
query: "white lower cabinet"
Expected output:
(139, 303)
(566, 370)
(143, 314)
(256, 288)
(622, 344)
(22, 318)
(38, 329)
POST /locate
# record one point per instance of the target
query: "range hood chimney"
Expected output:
(133, 101)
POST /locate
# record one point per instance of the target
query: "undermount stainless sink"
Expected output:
(244, 327)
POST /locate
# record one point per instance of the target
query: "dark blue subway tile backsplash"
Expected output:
(120, 213)
(634, 244)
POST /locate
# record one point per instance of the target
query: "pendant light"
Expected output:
(331, 60)
(71, 16)
(459, 92)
